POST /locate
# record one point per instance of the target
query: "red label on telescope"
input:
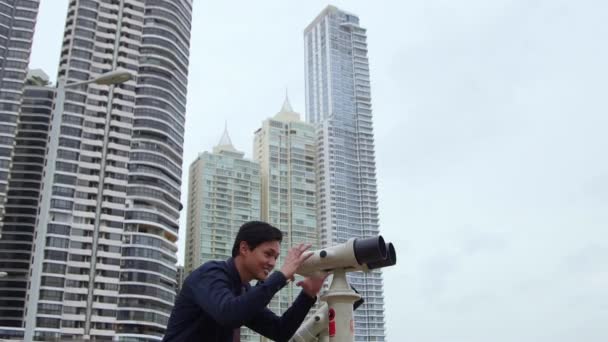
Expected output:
(332, 322)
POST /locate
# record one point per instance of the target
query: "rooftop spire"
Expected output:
(225, 140)
(225, 143)
(286, 105)
(287, 114)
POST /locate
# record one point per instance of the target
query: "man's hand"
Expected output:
(294, 259)
(312, 285)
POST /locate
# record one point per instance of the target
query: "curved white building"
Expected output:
(104, 266)
(148, 273)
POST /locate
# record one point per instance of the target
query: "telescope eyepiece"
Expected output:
(391, 258)
(370, 250)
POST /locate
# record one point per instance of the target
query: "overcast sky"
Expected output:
(490, 120)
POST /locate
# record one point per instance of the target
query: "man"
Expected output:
(216, 298)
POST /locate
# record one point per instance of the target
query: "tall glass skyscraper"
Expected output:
(285, 148)
(223, 193)
(17, 21)
(104, 258)
(338, 102)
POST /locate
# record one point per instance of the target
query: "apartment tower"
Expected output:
(285, 148)
(17, 21)
(338, 103)
(104, 258)
(223, 193)
(21, 207)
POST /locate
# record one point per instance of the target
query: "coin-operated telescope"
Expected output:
(333, 321)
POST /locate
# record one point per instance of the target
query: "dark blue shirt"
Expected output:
(212, 304)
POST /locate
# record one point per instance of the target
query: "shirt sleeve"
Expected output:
(282, 328)
(213, 294)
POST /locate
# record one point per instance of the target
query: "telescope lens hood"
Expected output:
(389, 261)
(370, 250)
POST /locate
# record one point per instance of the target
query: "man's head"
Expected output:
(257, 247)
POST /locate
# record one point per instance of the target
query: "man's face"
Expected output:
(261, 260)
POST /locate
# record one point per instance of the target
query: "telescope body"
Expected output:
(351, 256)
(334, 320)
(328, 259)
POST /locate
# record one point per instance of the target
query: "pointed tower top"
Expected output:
(287, 114)
(286, 105)
(225, 140)
(225, 143)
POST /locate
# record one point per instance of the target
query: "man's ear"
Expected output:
(243, 247)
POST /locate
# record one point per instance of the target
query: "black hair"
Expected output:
(255, 233)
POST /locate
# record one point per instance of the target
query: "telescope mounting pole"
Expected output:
(340, 299)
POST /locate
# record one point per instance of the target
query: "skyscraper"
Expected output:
(25, 182)
(17, 21)
(338, 102)
(223, 193)
(285, 148)
(104, 263)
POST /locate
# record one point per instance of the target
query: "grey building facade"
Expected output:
(17, 21)
(21, 206)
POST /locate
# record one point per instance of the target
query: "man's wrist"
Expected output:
(282, 273)
(286, 274)
(311, 295)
